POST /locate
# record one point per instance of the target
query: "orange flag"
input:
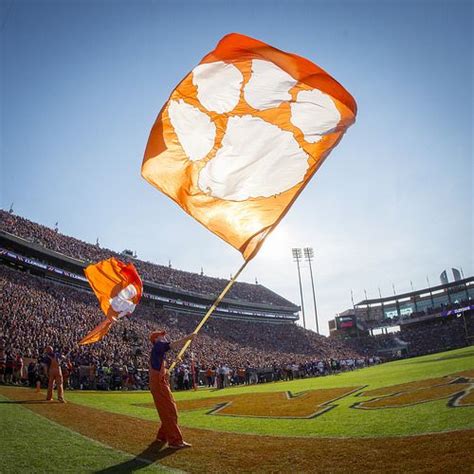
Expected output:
(118, 288)
(241, 136)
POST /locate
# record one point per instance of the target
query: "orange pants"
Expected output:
(166, 407)
(55, 375)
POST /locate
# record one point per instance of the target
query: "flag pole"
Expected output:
(208, 314)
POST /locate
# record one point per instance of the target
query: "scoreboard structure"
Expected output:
(345, 322)
(347, 325)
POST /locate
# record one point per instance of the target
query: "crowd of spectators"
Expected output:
(437, 335)
(184, 377)
(52, 239)
(368, 345)
(38, 312)
(419, 338)
(439, 309)
(430, 311)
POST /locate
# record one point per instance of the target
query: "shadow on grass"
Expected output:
(151, 454)
(24, 402)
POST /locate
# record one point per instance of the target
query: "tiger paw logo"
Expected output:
(125, 301)
(238, 123)
(242, 134)
(246, 119)
(457, 388)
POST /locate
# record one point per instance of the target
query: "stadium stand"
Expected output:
(436, 335)
(435, 329)
(252, 337)
(40, 312)
(52, 240)
(45, 305)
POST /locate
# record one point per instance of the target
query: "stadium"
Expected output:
(416, 323)
(184, 185)
(257, 372)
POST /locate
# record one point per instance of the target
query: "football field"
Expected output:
(405, 416)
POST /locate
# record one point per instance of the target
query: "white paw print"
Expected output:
(123, 303)
(249, 127)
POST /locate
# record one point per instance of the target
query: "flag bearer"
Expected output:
(169, 431)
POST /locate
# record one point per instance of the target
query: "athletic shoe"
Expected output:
(180, 446)
(61, 400)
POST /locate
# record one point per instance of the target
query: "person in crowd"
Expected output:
(3, 364)
(210, 377)
(10, 361)
(66, 368)
(55, 376)
(18, 369)
(38, 373)
(186, 378)
(31, 373)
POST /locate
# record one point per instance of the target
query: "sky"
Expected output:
(82, 83)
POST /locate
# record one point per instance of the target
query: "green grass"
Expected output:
(342, 421)
(31, 443)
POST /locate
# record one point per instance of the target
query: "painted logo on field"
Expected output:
(289, 405)
(274, 404)
(457, 388)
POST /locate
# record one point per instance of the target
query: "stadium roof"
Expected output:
(413, 294)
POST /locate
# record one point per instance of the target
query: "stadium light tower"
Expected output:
(297, 256)
(309, 255)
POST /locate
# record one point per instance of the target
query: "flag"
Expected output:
(444, 278)
(98, 332)
(456, 274)
(241, 136)
(118, 288)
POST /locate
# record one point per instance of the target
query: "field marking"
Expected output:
(465, 387)
(234, 452)
(454, 402)
(323, 407)
(304, 437)
(279, 436)
(215, 405)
